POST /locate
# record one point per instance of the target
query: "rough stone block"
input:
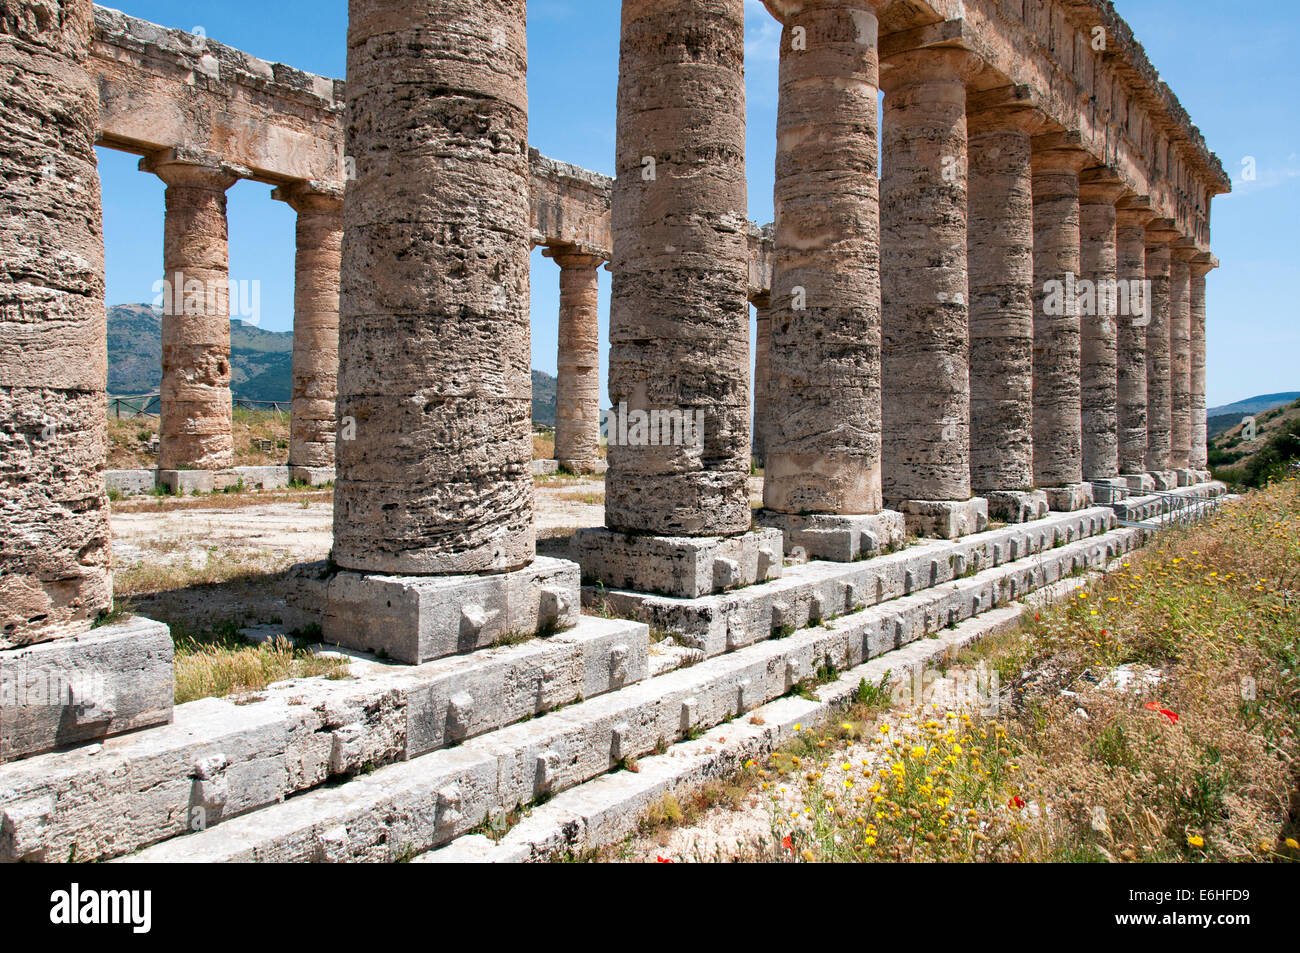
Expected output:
(545, 467)
(1067, 499)
(1017, 506)
(1165, 480)
(130, 482)
(685, 566)
(838, 538)
(415, 619)
(945, 519)
(85, 687)
(1187, 477)
(185, 482)
(312, 476)
(1140, 482)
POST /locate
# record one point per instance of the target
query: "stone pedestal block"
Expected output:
(85, 687)
(1164, 480)
(945, 519)
(1017, 506)
(312, 476)
(685, 566)
(1140, 482)
(1067, 499)
(842, 539)
(415, 619)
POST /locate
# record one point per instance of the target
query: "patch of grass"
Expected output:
(216, 662)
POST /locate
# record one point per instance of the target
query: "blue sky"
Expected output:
(1235, 72)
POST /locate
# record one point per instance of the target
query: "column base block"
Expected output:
(1187, 477)
(312, 476)
(1017, 506)
(545, 467)
(1067, 499)
(85, 688)
(1139, 482)
(1165, 480)
(684, 566)
(584, 467)
(835, 537)
(945, 519)
(415, 619)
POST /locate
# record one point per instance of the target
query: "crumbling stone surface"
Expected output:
(1098, 263)
(319, 235)
(577, 399)
(679, 318)
(1158, 356)
(54, 534)
(822, 449)
(1058, 421)
(435, 389)
(1200, 436)
(923, 203)
(762, 378)
(195, 425)
(1180, 357)
(1131, 343)
(1000, 247)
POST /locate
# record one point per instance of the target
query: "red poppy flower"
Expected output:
(788, 843)
(1016, 802)
(1171, 715)
(1152, 706)
(663, 860)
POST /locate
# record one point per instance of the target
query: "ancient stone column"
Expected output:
(823, 446)
(313, 420)
(1000, 249)
(60, 681)
(577, 413)
(1180, 359)
(1202, 265)
(1058, 415)
(679, 451)
(1098, 263)
(679, 318)
(195, 424)
(1158, 371)
(926, 395)
(1131, 257)
(762, 407)
(54, 536)
(435, 390)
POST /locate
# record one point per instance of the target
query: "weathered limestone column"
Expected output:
(433, 502)
(1180, 360)
(195, 420)
(1058, 414)
(679, 455)
(926, 396)
(1000, 249)
(1202, 265)
(1131, 266)
(60, 682)
(313, 420)
(822, 483)
(762, 375)
(577, 414)
(1159, 233)
(1099, 189)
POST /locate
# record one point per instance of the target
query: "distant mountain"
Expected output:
(1254, 405)
(261, 362)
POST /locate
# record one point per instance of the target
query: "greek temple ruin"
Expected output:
(980, 367)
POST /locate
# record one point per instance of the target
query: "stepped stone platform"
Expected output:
(185, 482)
(404, 809)
(230, 756)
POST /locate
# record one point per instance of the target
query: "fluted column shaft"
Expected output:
(1200, 450)
(1098, 263)
(1131, 257)
(54, 533)
(195, 400)
(823, 447)
(679, 323)
(435, 390)
(926, 392)
(1158, 371)
(577, 392)
(319, 233)
(1000, 248)
(1058, 421)
(762, 377)
(1180, 357)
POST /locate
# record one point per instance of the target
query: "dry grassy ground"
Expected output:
(129, 438)
(1152, 719)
